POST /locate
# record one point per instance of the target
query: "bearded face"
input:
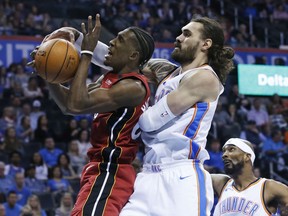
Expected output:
(233, 169)
(184, 55)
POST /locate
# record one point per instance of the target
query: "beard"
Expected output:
(235, 169)
(185, 56)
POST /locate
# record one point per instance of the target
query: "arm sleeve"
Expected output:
(98, 54)
(156, 116)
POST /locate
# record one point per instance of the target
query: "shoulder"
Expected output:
(219, 181)
(275, 190)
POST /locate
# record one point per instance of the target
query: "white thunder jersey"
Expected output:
(248, 202)
(184, 137)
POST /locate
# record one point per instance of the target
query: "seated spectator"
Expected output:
(11, 206)
(32, 183)
(15, 164)
(42, 130)
(8, 119)
(36, 112)
(41, 169)
(71, 131)
(11, 142)
(5, 181)
(66, 205)
(24, 131)
(255, 136)
(277, 119)
(84, 142)
(49, 153)
(33, 207)
(275, 150)
(32, 90)
(21, 190)
(259, 114)
(65, 166)
(215, 163)
(56, 183)
(77, 160)
(2, 210)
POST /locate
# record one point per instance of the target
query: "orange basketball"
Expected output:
(56, 61)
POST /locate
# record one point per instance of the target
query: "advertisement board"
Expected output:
(262, 80)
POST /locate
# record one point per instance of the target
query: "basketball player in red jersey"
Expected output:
(117, 100)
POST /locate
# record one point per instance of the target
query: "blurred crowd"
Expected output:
(161, 18)
(42, 151)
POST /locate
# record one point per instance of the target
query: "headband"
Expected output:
(241, 145)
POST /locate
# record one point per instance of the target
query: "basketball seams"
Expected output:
(46, 60)
(64, 60)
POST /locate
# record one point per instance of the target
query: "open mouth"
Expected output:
(227, 162)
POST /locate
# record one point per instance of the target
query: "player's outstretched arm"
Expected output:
(276, 193)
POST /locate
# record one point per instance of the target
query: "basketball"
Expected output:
(56, 61)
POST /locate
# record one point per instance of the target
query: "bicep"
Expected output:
(196, 88)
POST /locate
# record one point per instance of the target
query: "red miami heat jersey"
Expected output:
(111, 132)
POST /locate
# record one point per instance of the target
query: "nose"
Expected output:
(111, 43)
(179, 38)
(224, 155)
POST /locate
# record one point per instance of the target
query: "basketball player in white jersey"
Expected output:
(241, 193)
(174, 130)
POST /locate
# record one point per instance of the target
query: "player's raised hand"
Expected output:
(91, 35)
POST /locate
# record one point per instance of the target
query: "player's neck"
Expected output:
(241, 182)
(198, 62)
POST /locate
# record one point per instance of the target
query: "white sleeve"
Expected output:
(99, 53)
(156, 116)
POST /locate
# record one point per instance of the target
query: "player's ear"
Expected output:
(134, 56)
(207, 44)
(247, 157)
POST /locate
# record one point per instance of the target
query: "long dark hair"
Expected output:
(220, 57)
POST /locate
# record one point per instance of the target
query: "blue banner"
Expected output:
(14, 48)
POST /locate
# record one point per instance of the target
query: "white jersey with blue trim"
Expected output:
(185, 136)
(248, 202)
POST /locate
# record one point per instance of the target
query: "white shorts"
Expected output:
(176, 189)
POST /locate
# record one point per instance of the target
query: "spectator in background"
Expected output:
(84, 142)
(259, 115)
(32, 183)
(11, 206)
(77, 160)
(5, 181)
(255, 136)
(71, 131)
(36, 113)
(215, 163)
(41, 169)
(66, 205)
(279, 13)
(65, 166)
(49, 153)
(21, 78)
(33, 206)
(21, 190)
(14, 166)
(32, 90)
(274, 150)
(24, 111)
(8, 119)
(56, 183)
(2, 210)
(11, 142)
(42, 130)
(24, 131)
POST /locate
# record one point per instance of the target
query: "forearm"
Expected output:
(59, 94)
(99, 52)
(78, 94)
